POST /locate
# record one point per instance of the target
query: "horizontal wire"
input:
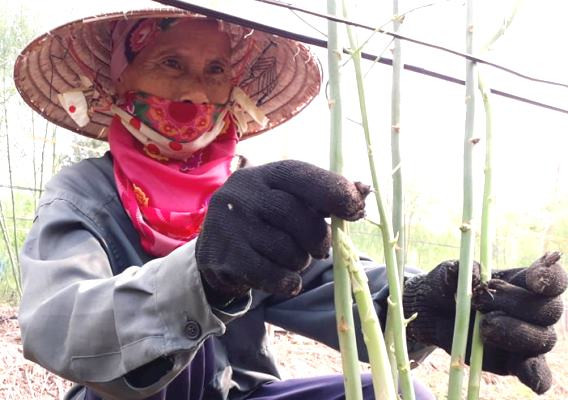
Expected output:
(25, 188)
(323, 43)
(467, 56)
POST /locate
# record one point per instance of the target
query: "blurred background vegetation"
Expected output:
(32, 150)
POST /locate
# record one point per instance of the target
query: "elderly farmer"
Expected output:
(150, 272)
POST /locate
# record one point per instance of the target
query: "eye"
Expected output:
(217, 68)
(172, 63)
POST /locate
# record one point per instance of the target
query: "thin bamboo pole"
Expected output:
(53, 152)
(395, 296)
(42, 162)
(11, 258)
(383, 386)
(34, 157)
(14, 260)
(463, 301)
(487, 228)
(342, 284)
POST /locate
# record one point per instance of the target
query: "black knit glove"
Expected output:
(265, 222)
(521, 306)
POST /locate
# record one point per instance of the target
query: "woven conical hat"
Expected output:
(280, 75)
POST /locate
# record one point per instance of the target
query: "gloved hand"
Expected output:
(264, 224)
(521, 306)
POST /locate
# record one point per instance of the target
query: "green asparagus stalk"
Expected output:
(398, 199)
(383, 386)
(397, 183)
(344, 316)
(342, 285)
(485, 245)
(486, 217)
(463, 300)
(395, 297)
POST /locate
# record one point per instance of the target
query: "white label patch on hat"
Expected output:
(75, 104)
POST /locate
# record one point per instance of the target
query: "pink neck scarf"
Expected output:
(166, 198)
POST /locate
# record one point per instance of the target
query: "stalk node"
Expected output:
(394, 240)
(410, 319)
(465, 227)
(459, 363)
(398, 18)
(342, 326)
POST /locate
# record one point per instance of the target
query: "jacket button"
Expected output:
(192, 330)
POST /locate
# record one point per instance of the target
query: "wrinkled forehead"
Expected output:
(131, 36)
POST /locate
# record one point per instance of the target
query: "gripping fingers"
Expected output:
(278, 246)
(443, 281)
(324, 191)
(276, 280)
(532, 371)
(223, 279)
(517, 302)
(514, 335)
(546, 276)
(258, 272)
(286, 212)
(245, 268)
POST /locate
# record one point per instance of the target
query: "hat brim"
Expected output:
(279, 74)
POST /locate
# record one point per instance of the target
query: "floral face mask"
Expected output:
(168, 128)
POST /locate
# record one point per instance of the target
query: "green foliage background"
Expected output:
(31, 151)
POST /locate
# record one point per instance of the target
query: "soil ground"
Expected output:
(298, 357)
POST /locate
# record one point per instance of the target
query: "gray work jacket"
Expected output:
(95, 306)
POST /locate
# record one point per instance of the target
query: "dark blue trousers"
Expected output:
(329, 387)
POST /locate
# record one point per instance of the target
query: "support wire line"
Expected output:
(383, 60)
